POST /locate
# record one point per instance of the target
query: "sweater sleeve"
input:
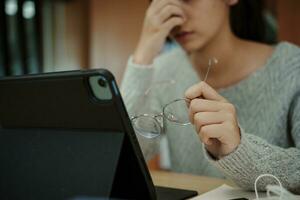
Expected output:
(137, 79)
(255, 156)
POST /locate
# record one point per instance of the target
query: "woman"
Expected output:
(247, 121)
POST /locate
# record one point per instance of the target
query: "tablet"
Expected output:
(67, 135)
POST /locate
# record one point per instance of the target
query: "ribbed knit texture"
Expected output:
(268, 107)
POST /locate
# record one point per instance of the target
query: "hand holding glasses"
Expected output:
(176, 111)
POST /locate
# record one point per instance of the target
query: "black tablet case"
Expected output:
(57, 141)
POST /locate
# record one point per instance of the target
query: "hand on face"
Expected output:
(214, 118)
(161, 17)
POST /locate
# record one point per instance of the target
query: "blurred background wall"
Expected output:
(115, 28)
(55, 35)
(68, 34)
(288, 12)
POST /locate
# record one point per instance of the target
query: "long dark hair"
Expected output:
(248, 21)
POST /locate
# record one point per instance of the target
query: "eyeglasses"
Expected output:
(151, 125)
(176, 111)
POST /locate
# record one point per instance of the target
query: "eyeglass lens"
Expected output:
(147, 126)
(177, 112)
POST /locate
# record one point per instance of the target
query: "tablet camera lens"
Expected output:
(102, 82)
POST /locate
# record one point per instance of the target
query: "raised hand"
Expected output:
(161, 17)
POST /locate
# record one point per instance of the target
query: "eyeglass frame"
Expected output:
(211, 62)
(162, 115)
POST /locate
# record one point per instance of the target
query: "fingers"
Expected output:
(158, 5)
(169, 11)
(207, 118)
(161, 17)
(203, 105)
(215, 119)
(161, 11)
(173, 22)
(214, 131)
(202, 89)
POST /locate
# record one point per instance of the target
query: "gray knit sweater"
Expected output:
(268, 107)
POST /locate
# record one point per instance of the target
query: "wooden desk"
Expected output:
(201, 184)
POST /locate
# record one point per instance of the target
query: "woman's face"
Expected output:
(206, 20)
